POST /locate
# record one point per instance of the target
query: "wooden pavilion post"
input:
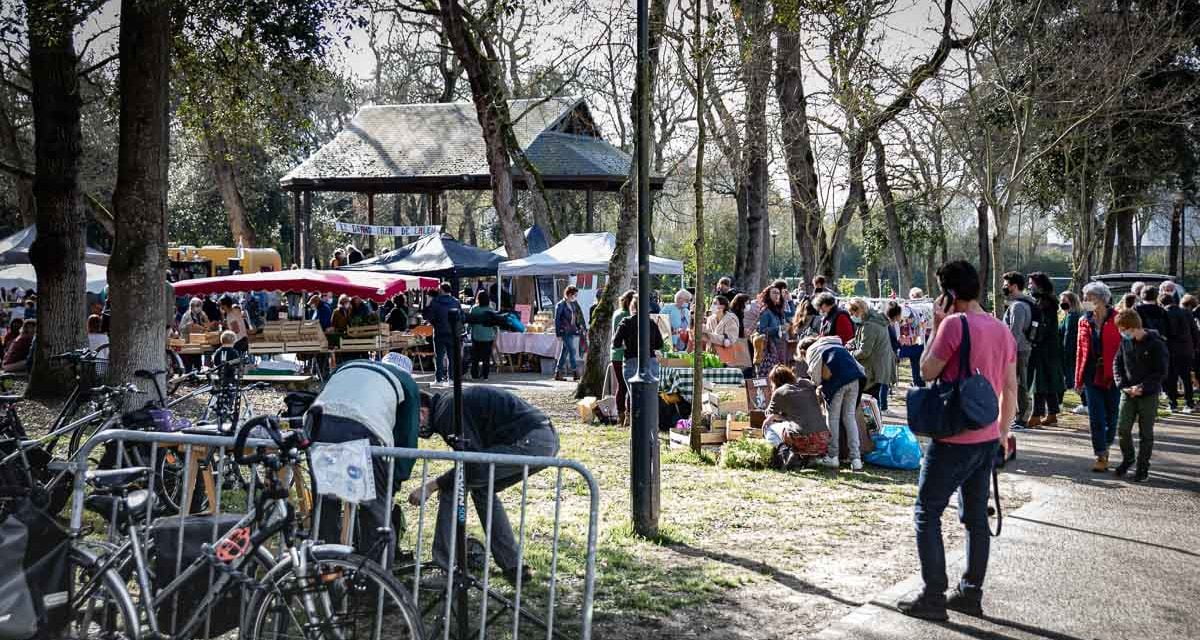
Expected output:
(297, 229)
(371, 220)
(591, 212)
(306, 254)
(435, 208)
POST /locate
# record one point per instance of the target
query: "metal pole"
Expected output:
(461, 585)
(644, 386)
(591, 212)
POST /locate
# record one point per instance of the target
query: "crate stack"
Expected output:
(370, 337)
(304, 336)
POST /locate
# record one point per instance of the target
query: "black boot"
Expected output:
(1123, 468)
(1143, 474)
(925, 606)
(969, 603)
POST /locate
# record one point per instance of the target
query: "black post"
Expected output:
(644, 386)
(590, 224)
(461, 588)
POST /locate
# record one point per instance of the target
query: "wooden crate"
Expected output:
(176, 343)
(359, 344)
(198, 338)
(303, 346)
(675, 362)
(734, 429)
(366, 330)
(266, 347)
(753, 433)
(213, 338)
(708, 438)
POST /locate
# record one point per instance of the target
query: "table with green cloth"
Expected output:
(681, 380)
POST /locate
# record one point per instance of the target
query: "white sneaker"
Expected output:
(828, 462)
(856, 465)
(1187, 410)
(1080, 410)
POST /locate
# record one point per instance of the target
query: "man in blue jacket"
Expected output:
(438, 314)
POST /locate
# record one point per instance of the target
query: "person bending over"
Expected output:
(379, 402)
(494, 421)
(794, 424)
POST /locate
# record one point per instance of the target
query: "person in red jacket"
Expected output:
(834, 320)
(1095, 351)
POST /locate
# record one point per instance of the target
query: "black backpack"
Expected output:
(1033, 331)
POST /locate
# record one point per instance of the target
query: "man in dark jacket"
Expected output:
(438, 314)
(1154, 317)
(1138, 371)
(494, 421)
(834, 320)
(1182, 338)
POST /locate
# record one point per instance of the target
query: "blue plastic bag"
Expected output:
(512, 322)
(895, 447)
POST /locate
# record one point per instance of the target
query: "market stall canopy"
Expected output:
(418, 148)
(580, 253)
(24, 276)
(435, 256)
(364, 284)
(15, 249)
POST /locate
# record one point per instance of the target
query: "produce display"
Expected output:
(711, 360)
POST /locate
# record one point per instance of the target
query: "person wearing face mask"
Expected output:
(1022, 317)
(873, 350)
(1045, 358)
(1181, 338)
(834, 321)
(1138, 370)
(1068, 329)
(773, 328)
(1095, 351)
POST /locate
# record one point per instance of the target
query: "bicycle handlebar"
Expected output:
(287, 444)
(106, 390)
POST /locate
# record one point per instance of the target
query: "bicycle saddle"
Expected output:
(132, 505)
(117, 479)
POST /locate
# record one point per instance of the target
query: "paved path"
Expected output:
(1090, 557)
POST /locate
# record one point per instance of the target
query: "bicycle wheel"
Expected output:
(91, 603)
(344, 596)
(83, 433)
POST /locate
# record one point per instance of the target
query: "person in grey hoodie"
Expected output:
(1021, 320)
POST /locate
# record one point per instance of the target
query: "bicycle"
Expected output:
(310, 589)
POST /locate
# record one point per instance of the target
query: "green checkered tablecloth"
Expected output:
(682, 381)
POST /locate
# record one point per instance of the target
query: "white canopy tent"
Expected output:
(587, 253)
(24, 276)
(581, 253)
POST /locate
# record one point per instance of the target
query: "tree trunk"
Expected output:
(14, 161)
(743, 234)
(1126, 240)
(895, 237)
(857, 196)
(57, 254)
(1176, 253)
(621, 267)
(491, 107)
(872, 278)
(931, 284)
(983, 233)
(226, 177)
(758, 145)
(140, 307)
(797, 149)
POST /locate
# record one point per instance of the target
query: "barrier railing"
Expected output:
(196, 474)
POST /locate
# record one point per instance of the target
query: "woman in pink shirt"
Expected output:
(962, 461)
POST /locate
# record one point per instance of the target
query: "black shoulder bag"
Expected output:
(947, 408)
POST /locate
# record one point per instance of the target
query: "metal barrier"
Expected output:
(207, 466)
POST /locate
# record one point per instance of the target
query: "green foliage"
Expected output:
(747, 453)
(847, 286)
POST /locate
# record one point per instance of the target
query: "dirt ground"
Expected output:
(741, 553)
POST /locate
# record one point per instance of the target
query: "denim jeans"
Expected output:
(442, 348)
(539, 442)
(570, 347)
(947, 469)
(1102, 416)
(913, 353)
(842, 413)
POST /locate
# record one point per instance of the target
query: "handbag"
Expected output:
(736, 355)
(947, 408)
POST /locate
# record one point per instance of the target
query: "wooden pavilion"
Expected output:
(432, 148)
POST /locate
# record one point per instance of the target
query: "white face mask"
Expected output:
(1089, 306)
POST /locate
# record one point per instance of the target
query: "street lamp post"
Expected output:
(775, 245)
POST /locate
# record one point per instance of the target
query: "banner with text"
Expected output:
(384, 230)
